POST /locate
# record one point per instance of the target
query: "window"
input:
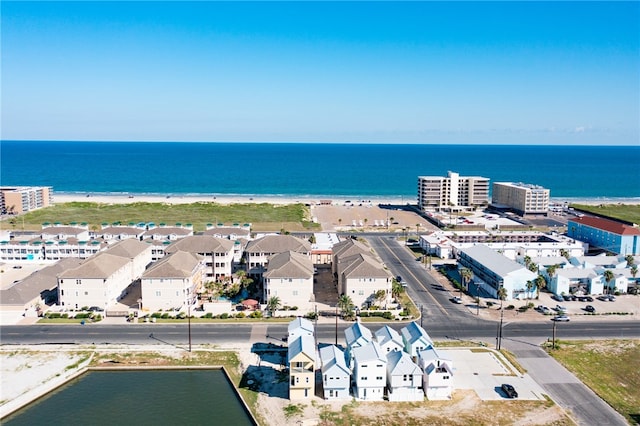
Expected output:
(86, 293)
(158, 293)
(78, 281)
(331, 392)
(379, 378)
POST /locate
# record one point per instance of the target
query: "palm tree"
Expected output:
(608, 277)
(530, 286)
(541, 283)
(634, 271)
(396, 289)
(502, 295)
(345, 304)
(273, 304)
(380, 295)
(527, 261)
(551, 270)
(533, 267)
(564, 253)
(629, 258)
(467, 275)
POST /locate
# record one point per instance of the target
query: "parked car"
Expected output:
(557, 297)
(561, 318)
(399, 278)
(588, 299)
(456, 299)
(612, 298)
(603, 298)
(589, 308)
(566, 297)
(509, 390)
(561, 308)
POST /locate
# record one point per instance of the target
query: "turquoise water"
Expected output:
(150, 397)
(313, 169)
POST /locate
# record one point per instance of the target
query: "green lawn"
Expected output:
(609, 368)
(291, 217)
(628, 212)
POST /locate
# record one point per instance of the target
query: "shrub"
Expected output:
(387, 315)
(294, 308)
(255, 314)
(181, 315)
(364, 314)
(240, 315)
(84, 308)
(224, 316)
(404, 313)
(53, 315)
(510, 307)
(165, 315)
(311, 316)
(489, 304)
(208, 315)
(82, 315)
(97, 318)
(65, 316)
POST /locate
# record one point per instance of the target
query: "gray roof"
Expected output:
(29, 288)
(68, 230)
(576, 273)
(494, 261)
(400, 362)
(289, 265)
(363, 266)
(349, 247)
(201, 244)
(129, 249)
(278, 244)
(300, 324)
(386, 334)
(226, 232)
(102, 265)
(332, 357)
(118, 230)
(171, 230)
(357, 331)
(412, 332)
(369, 352)
(180, 264)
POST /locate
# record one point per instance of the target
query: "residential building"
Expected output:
(361, 278)
(302, 361)
(389, 339)
(300, 327)
(23, 199)
(259, 251)
(437, 374)
(289, 276)
(453, 192)
(355, 336)
(491, 270)
(168, 233)
(344, 249)
(404, 378)
(111, 233)
(172, 282)
(415, 339)
(336, 376)
(612, 236)
(217, 252)
(520, 197)
(322, 247)
(369, 372)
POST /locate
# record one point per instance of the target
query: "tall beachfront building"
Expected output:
(452, 192)
(22, 199)
(521, 197)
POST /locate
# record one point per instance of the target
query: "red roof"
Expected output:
(607, 225)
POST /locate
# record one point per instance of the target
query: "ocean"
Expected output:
(312, 169)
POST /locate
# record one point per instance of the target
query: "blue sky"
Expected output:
(414, 72)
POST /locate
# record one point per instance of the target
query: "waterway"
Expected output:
(142, 397)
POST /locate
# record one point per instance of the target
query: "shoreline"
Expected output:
(225, 199)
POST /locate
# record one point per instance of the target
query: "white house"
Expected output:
(437, 374)
(259, 251)
(173, 281)
(564, 280)
(217, 252)
(361, 277)
(336, 376)
(300, 327)
(355, 336)
(404, 378)
(289, 276)
(415, 339)
(369, 372)
(389, 339)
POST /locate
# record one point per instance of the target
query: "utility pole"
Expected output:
(553, 343)
(421, 316)
(189, 322)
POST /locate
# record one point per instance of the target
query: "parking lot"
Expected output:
(484, 371)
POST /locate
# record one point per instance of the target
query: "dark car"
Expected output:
(399, 278)
(557, 297)
(589, 308)
(96, 309)
(588, 299)
(509, 390)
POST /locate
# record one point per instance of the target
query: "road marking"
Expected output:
(442, 309)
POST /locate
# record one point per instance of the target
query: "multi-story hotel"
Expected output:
(521, 197)
(22, 199)
(452, 192)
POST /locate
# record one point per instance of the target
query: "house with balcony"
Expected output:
(415, 339)
(172, 282)
(361, 277)
(389, 339)
(369, 372)
(258, 252)
(217, 252)
(336, 376)
(404, 378)
(344, 249)
(289, 276)
(437, 375)
(301, 359)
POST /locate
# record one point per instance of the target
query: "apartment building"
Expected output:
(22, 199)
(522, 198)
(452, 192)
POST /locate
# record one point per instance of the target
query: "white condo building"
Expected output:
(452, 192)
(521, 197)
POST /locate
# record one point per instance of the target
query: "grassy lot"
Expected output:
(268, 217)
(628, 212)
(609, 368)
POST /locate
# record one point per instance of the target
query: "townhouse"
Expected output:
(361, 278)
(389, 339)
(369, 372)
(259, 251)
(355, 336)
(289, 276)
(336, 376)
(301, 356)
(299, 327)
(404, 378)
(437, 374)
(415, 339)
(217, 254)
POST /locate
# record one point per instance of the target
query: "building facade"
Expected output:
(522, 198)
(609, 235)
(22, 199)
(452, 192)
